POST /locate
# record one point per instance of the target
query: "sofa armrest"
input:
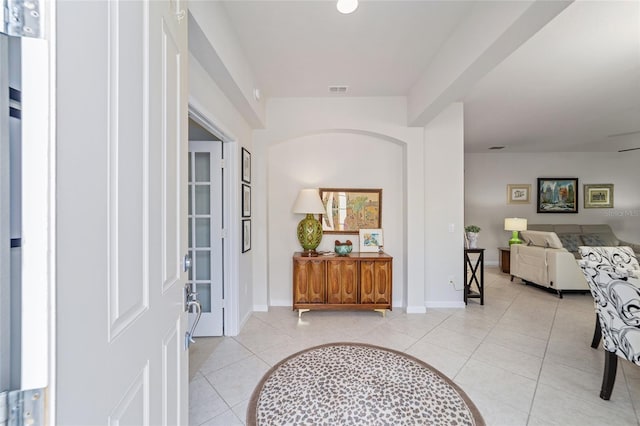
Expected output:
(564, 272)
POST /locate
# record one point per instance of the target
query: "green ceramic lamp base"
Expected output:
(309, 234)
(514, 238)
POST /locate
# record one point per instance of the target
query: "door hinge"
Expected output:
(22, 18)
(22, 407)
(223, 164)
(223, 233)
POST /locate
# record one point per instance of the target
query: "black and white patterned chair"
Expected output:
(613, 275)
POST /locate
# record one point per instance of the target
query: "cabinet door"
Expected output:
(375, 282)
(308, 281)
(342, 276)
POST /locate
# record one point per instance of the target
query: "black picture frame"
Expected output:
(246, 200)
(557, 195)
(246, 235)
(246, 166)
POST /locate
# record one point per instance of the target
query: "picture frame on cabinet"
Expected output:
(246, 235)
(246, 200)
(246, 166)
(371, 240)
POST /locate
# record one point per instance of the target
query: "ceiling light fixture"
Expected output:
(347, 6)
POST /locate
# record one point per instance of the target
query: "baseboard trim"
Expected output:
(451, 304)
(416, 310)
(260, 308)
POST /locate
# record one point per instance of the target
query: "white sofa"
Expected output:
(542, 260)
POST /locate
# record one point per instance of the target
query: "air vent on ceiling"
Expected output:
(634, 132)
(630, 149)
(496, 147)
(338, 89)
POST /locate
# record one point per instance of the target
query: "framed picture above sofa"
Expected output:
(518, 193)
(598, 196)
(557, 195)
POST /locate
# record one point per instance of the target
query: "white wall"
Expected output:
(487, 176)
(331, 160)
(209, 99)
(444, 200)
(354, 142)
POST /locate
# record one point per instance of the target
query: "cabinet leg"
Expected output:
(382, 311)
(302, 311)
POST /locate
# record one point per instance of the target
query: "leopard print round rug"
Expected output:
(358, 384)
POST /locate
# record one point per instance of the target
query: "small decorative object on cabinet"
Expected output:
(472, 235)
(343, 249)
(360, 281)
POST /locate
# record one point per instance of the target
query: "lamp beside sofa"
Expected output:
(549, 253)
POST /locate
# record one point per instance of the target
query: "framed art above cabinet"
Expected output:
(349, 210)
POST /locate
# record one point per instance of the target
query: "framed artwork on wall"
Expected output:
(598, 196)
(518, 193)
(371, 240)
(246, 200)
(557, 195)
(246, 166)
(349, 210)
(246, 235)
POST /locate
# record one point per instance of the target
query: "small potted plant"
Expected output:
(472, 235)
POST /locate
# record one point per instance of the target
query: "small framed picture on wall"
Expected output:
(246, 166)
(246, 200)
(518, 193)
(246, 235)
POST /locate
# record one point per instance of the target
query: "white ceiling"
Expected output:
(571, 87)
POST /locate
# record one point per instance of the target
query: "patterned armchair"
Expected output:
(613, 275)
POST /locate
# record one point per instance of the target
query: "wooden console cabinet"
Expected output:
(360, 281)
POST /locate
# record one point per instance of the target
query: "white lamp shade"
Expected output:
(347, 6)
(515, 224)
(308, 201)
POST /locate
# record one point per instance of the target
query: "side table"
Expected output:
(505, 260)
(473, 279)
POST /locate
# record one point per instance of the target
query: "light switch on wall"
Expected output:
(452, 227)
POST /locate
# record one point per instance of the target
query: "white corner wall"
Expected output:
(487, 175)
(444, 204)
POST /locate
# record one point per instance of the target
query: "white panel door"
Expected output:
(205, 234)
(121, 218)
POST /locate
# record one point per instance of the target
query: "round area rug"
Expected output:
(358, 384)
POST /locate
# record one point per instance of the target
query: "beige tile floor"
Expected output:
(523, 358)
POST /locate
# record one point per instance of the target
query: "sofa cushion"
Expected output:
(541, 239)
(597, 240)
(571, 241)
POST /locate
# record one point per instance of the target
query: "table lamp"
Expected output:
(515, 224)
(309, 228)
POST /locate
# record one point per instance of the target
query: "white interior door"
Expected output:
(121, 212)
(205, 234)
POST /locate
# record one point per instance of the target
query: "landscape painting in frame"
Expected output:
(349, 210)
(557, 195)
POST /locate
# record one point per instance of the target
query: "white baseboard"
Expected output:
(416, 310)
(260, 308)
(491, 263)
(451, 304)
